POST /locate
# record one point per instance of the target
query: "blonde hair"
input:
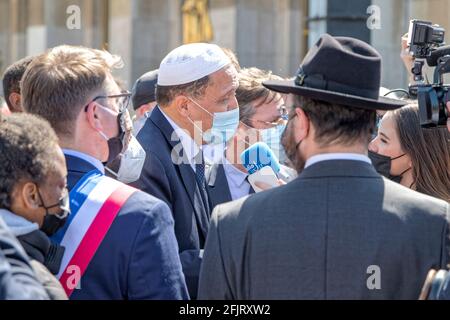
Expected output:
(59, 83)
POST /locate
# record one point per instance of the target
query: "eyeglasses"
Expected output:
(122, 101)
(63, 204)
(292, 114)
(284, 116)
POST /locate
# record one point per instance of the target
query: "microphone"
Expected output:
(262, 166)
(432, 60)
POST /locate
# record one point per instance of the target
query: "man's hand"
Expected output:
(265, 186)
(407, 58)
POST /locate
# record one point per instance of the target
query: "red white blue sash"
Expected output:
(94, 202)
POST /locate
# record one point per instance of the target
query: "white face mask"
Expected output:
(139, 124)
(272, 137)
(224, 126)
(131, 163)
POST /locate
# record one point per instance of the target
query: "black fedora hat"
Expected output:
(340, 70)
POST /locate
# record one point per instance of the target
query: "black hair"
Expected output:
(336, 123)
(27, 151)
(12, 77)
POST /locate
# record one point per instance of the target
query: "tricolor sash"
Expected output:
(94, 202)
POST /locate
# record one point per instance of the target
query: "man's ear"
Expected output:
(15, 100)
(30, 196)
(302, 127)
(181, 104)
(93, 116)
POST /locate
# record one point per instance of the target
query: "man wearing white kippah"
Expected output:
(196, 106)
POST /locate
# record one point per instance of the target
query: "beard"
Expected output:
(296, 161)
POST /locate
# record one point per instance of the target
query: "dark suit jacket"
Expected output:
(217, 184)
(168, 176)
(17, 278)
(138, 258)
(332, 233)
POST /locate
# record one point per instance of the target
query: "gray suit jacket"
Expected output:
(339, 231)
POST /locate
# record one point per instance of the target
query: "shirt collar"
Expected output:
(95, 162)
(336, 156)
(237, 176)
(190, 148)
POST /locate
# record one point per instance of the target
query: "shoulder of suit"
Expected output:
(413, 201)
(150, 133)
(142, 205)
(241, 212)
(229, 210)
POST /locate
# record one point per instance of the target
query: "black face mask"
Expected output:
(291, 150)
(116, 144)
(53, 222)
(383, 166)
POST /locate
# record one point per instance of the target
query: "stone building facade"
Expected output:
(270, 34)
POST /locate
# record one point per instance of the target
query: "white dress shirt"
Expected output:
(213, 153)
(336, 156)
(237, 180)
(191, 149)
(95, 162)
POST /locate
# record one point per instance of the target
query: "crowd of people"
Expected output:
(98, 205)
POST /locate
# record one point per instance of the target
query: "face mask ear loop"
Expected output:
(103, 135)
(392, 159)
(198, 105)
(112, 172)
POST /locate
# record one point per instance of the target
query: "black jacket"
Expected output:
(17, 279)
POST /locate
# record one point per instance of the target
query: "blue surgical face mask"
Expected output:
(272, 137)
(224, 126)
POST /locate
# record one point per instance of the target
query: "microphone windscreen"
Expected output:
(259, 156)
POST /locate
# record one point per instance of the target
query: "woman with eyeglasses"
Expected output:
(413, 156)
(34, 200)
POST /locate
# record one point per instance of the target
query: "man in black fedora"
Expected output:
(340, 230)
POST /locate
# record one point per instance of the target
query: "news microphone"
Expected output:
(432, 60)
(262, 166)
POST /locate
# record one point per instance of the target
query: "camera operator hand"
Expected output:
(407, 58)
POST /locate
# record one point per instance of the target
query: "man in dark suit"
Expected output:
(72, 87)
(196, 105)
(340, 230)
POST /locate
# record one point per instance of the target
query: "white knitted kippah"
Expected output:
(191, 62)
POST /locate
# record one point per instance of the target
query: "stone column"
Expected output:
(387, 40)
(17, 21)
(143, 32)
(269, 34)
(48, 24)
(4, 36)
(36, 28)
(297, 35)
(223, 17)
(120, 33)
